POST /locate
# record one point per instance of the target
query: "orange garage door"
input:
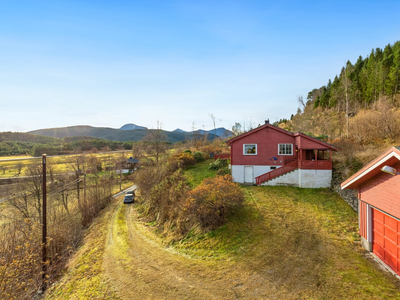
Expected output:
(386, 238)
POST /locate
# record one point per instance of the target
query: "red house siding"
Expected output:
(363, 218)
(383, 192)
(305, 143)
(267, 140)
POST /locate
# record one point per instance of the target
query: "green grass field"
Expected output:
(304, 236)
(195, 174)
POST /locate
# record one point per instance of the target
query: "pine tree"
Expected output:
(372, 79)
(387, 62)
(393, 80)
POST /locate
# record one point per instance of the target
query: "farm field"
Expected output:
(12, 166)
(286, 243)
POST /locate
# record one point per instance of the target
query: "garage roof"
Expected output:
(389, 158)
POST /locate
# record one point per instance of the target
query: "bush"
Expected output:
(211, 202)
(199, 156)
(218, 164)
(183, 159)
(187, 151)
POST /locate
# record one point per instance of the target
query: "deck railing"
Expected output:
(277, 172)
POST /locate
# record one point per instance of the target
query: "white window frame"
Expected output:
(291, 149)
(244, 147)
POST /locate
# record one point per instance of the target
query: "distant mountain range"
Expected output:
(124, 134)
(131, 126)
(221, 132)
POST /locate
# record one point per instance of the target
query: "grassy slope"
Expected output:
(195, 174)
(304, 241)
(303, 236)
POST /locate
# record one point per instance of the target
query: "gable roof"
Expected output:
(132, 160)
(282, 131)
(389, 158)
(316, 140)
(258, 129)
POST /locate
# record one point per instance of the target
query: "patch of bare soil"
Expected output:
(140, 268)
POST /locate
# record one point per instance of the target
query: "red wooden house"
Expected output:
(269, 155)
(379, 206)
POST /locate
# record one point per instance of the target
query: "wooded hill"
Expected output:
(364, 83)
(359, 111)
(361, 103)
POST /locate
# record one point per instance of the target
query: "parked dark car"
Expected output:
(128, 199)
(131, 193)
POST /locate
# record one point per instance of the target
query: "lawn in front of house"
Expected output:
(307, 238)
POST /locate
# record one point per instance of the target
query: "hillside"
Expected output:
(112, 134)
(26, 137)
(362, 102)
(358, 111)
(286, 243)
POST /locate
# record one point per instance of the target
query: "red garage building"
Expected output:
(379, 206)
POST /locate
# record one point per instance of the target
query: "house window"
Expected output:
(285, 149)
(250, 149)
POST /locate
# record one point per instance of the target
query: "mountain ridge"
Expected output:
(112, 134)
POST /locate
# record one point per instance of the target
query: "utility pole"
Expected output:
(84, 190)
(44, 224)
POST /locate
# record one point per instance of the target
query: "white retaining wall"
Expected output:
(289, 179)
(300, 178)
(315, 178)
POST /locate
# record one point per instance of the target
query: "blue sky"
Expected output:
(108, 63)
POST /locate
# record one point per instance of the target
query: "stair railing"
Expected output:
(277, 172)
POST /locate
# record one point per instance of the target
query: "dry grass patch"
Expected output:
(305, 241)
(84, 276)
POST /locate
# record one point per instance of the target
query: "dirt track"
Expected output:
(139, 268)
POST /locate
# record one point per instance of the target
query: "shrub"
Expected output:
(199, 156)
(218, 164)
(187, 151)
(224, 171)
(183, 159)
(211, 202)
(167, 197)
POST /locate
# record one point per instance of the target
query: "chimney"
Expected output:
(267, 121)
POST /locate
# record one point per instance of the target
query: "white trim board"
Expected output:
(374, 166)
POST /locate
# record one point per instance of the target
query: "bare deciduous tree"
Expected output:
(301, 102)
(213, 119)
(156, 142)
(138, 150)
(79, 165)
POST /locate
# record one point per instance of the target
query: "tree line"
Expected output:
(8, 148)
(362, 84)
